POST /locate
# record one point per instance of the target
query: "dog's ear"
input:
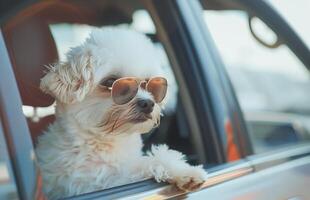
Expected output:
(72, 80)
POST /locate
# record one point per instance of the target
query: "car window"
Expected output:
(271, 84)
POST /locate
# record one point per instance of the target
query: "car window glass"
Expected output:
(271, 83)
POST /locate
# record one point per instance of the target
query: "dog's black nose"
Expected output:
(145, 106)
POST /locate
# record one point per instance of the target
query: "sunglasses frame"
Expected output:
(139, 83)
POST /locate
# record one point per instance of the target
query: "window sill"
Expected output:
(151, 189)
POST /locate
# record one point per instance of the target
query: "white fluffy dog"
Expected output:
(94, 142)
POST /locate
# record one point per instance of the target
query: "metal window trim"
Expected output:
(149, 189)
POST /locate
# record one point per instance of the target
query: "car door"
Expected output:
(214, 115)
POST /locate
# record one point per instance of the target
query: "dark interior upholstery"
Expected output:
(31, 46)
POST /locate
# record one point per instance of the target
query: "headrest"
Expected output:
(31, 47)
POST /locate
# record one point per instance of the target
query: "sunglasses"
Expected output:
(123, 90)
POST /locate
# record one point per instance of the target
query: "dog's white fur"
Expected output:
(94, 143)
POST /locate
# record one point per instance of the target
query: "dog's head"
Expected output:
(82, 84)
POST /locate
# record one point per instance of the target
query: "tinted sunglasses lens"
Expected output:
(158, 87)
(124, 90)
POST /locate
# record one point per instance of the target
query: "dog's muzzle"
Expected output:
(145, 106)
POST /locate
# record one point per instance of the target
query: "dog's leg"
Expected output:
(170, 166)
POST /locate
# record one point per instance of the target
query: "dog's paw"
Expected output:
(190, 179)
